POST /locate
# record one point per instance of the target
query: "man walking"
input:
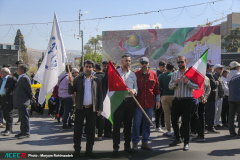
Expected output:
(219, 94)
(124, 113)
(21, 99)
(183, 102)
(65, 99)
(148, 89)
(7, 85)
(88, 101)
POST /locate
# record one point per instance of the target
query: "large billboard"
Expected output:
(163, 44)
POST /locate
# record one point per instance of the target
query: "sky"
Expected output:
(37, 36)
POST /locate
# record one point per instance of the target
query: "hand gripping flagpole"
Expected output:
(144, 111)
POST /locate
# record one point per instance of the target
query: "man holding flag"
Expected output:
(183, 102)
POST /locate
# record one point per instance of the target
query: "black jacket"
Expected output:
(10, 84)
(220, 86)
(78, 87)
(213, 84)
(103, 77)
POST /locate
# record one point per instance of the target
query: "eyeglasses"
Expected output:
(142, 63)
(180, 62)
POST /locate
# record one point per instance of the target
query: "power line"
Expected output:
(118, 16)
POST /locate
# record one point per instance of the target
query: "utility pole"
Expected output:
(81, 35)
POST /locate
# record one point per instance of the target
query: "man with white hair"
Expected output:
(7, 85)
(234, 70)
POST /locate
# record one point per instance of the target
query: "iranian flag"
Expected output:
(117, 90)
(197, 73)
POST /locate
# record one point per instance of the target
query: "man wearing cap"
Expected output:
(7, 85)
(234, 70)
(89, 102)
(210, 105)
(219, 94)
(183, 103)
(148, 96)
(125, 112)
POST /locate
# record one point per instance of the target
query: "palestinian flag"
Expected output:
(117, 90)
(197, 73)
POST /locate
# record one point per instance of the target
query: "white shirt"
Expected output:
(87, 91)
(226, 89)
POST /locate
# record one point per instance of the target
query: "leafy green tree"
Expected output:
(23, 55)
(91, 56)
(94, 44)
(232, 40)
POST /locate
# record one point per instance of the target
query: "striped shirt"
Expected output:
(181, 90)
(130, 80)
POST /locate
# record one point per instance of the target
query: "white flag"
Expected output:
(53, 63)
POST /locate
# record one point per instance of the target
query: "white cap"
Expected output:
(75, 70)
(217, 66)
(234, 64)
(5, 69)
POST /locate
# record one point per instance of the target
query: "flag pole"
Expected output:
(144, 111)
(69, 72)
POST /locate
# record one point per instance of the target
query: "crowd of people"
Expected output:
(168, 93)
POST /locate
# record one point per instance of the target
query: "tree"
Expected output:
(18, 38)
(91, 56)
(232, 40)
(94, 44)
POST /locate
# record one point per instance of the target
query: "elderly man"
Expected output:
(75, 72)
(219, 96)
(234, 70)
(21, 99)
(183, 102)
(148, 96)
(7, 85)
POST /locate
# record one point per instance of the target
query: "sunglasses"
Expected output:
(180, 62)
(142, 63)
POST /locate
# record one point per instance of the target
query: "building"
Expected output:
(9, 55)
(233, 21)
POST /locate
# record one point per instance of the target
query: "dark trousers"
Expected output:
(225, 108)
(159, 114)
(210, 114)
(100, 121)
(1, 115)
(124, 113)
(183, 108)
(80, 115)
(24, 119)
(107, 128)
(7, 112)
(197, 124)
(233, 108)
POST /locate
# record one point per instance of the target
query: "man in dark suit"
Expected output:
(21, 99)
(7, 84)
(88, 101)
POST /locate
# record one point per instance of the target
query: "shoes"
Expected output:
(89, 154)
(18, 135)
(66, 127)
(175, 142)
(217, 127)
(199, 139)
(193, 134)
(225, 125)
(213, 131)
(186, 147)
(100, 139)
(3, 131)
(17, 123)
(7, 133)
(135, 147)
(167, 134)
(24, 136)
(233, 134)
(108, 135)
(146, 146)
(115, 152)
(76, 154)
(159, 129)
(2, 125)
(129, 150)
